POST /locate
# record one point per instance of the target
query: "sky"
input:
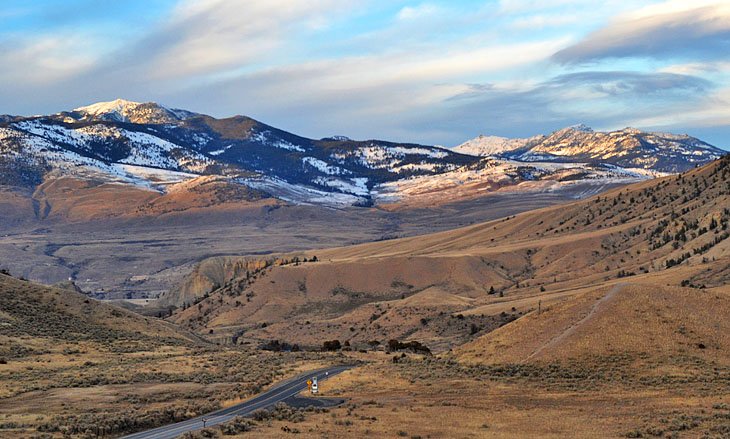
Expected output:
(433, 72)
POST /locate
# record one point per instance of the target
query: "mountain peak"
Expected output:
(119, 106)
(582, 127)
(122, 110)
(490, 145)
(628, 147)
(579, 127)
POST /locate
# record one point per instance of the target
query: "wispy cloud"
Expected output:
(431, 71)
(699, 32)
(603, 99)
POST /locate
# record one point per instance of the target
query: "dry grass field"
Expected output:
(436, 398)
(630, 360)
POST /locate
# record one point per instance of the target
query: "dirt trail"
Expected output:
(572, 328)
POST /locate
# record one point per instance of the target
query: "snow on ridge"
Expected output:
(323, 166)
(355, 186)
(402, 151)
(120, 107)
(510, 175)
(263, 137)
(221, 151)
(145, 175)
(489, 145)
(376, 156)
(431, 167)
(300, 194)
(145, 149)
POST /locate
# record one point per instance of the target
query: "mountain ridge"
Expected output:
(154, 147)
(628, 147)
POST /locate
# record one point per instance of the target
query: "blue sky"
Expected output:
(437, 72)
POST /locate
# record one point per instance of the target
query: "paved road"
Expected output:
(278, 393)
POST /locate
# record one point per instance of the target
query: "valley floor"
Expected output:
(142, 257)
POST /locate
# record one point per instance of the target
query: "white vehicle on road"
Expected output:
(315, 387)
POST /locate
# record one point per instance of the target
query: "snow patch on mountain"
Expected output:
(147, 177)
(300, 194)
(354, 186)
(151, 146)
(118, 109)
(323, 166)
(265, 138)
(629, 148)
(221, 151)
(490, 145)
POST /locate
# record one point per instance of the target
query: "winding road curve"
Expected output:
(279, 393)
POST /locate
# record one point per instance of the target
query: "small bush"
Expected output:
(237, 425)
(331, 345)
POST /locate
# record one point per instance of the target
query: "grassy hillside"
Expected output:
(671, 231)
(71, 366)
(55, 315)
(645, 321)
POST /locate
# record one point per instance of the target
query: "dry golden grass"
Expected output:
(616, 351)
(387, 400)
(74, 200)
(640, 319)
(638, 232)
(69, 362)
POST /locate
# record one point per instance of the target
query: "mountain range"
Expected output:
(151, 147)
(627, 148)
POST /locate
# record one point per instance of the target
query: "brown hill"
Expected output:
(640, 319)
(71, 199)
(671, 231)
(34, 316)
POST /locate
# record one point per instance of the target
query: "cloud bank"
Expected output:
(433, 72)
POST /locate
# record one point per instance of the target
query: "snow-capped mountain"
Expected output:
(629, 148)
(152, 146)
(490, 145)
(121, 110)
(113, 140)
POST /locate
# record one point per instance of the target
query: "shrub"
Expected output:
(414, 346)
(206, 433)
(331, 345)
(237, 425)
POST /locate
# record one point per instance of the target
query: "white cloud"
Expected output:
(209, 36)
(669, 30)
(670, 7)
(714, 111)
(532, 6)
(420, 72)
(698, 68)
(415, 12)
(534, 22)
(44, 58)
